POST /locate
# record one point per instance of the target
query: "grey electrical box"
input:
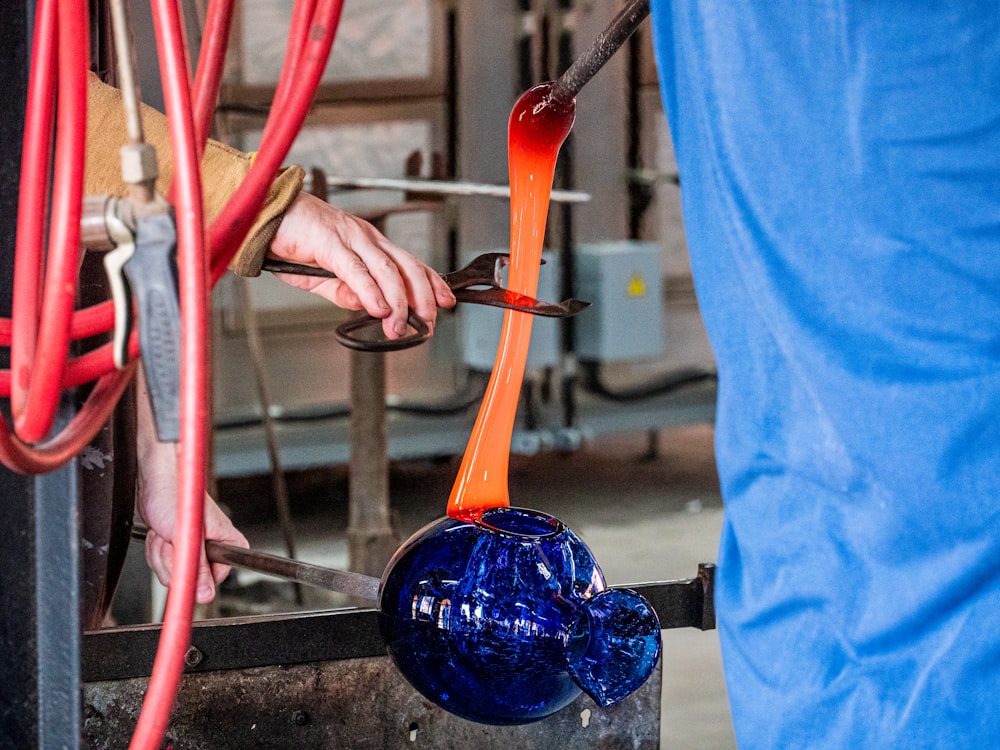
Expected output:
(481, 324)
(624, 282)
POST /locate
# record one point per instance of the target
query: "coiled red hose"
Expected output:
(43, 324)
(36, 401)
(38, 365)
(32, 203)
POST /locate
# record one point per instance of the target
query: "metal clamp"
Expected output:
(122, 235)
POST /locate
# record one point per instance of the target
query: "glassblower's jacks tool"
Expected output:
(478, 283)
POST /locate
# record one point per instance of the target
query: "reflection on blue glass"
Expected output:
(504, 620)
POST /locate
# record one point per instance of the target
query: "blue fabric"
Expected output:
(840, 172)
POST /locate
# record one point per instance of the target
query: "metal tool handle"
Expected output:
(604, 46)
(342, 581)
(345, 335)
(152, 276)
(331, 579)
(299, 269)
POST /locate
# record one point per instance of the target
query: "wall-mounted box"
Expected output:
(624, 281)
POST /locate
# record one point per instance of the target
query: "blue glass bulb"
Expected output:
(503, 620)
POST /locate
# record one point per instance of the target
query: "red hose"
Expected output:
(50, 455)
(176, 632)
(298, 36)
(34, 420)
(90, 321)
(83, 369)
(211, 61)
(33, 200)
(283, 125)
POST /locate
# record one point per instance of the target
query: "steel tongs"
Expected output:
(478, 283)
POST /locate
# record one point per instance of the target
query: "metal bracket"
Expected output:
(240, 643)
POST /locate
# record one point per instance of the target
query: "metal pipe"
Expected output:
(371, 538)
(442, 187)
(331, 579)
(138, 159)
(604, 46)
(126, 71)
(342, 581)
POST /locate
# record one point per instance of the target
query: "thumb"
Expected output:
(206, 584)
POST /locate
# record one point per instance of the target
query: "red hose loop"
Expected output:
(282, 127)
(35, 419)
(91, 417)
(33, 200)
(211, 61)
(90, 321)
(86, 368)
(72, 54)
(298, 36)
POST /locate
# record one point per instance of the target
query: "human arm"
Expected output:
(156, 504)
(373, 273)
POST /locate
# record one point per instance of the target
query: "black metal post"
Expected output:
(57, 603)
(39, 556)
(18, 640)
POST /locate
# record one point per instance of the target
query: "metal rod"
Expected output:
(603, 47)
(341, 581)
(126, 70)
(442, 187)
(138, 159)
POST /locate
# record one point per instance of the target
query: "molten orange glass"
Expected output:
(539, 123)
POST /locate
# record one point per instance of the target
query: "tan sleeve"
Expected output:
(250, 257)
(222, 169)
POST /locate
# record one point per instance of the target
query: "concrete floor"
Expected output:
(645, 518)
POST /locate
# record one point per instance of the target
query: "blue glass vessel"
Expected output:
(506, 618)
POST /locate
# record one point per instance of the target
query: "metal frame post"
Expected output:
(370, 536)
(39, 558)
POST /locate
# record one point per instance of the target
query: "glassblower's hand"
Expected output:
(156, 504)
(372, 273)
